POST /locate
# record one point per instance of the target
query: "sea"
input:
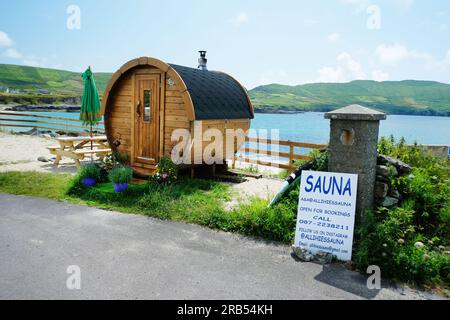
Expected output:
(312, 127)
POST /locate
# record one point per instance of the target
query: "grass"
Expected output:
(51, 186)
(191, 201)
(394, 97)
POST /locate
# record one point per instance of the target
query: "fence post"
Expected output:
(353, 149)
(291, 155)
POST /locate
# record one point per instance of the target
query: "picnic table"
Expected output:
(77, 148)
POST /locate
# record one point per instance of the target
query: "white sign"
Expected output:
(326, 213)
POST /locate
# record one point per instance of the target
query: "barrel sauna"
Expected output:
(146, 100)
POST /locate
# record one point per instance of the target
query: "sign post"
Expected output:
(326, 213)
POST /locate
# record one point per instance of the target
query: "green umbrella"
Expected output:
(90, 105)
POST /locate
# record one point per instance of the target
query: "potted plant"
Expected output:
(89, 174)
(120, 176)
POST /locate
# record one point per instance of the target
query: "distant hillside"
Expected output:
(40, 85)
(30, 85)
(402, 97)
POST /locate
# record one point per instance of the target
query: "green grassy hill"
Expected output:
(394, 97)
(60, 85)
(401, 97)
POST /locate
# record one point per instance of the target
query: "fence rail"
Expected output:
(10, 119)
(44, 122)
(290, 156)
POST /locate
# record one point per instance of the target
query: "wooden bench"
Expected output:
(78, 147)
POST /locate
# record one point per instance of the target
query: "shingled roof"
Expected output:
(215, 95)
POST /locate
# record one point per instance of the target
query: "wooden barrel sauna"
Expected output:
(147, 99)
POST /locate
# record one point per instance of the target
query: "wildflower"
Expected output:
(419, 245)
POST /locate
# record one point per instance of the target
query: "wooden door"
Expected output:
(146, 120)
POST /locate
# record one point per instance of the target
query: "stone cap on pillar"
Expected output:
(355, 112)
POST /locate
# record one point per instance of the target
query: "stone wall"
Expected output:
(388, 170)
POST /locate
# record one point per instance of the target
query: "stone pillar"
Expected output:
(353, 149)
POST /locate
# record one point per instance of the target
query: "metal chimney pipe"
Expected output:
(202, 61)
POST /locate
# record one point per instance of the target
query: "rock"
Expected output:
(46, 135)
(381, 190)
(403, 168)
(419, 245)
(383, 179)
(389, 202)
(394, 193)
(383, 171)
(323, 257)
(42, 159)
(72, 134)
(382, 160)
(303, 254)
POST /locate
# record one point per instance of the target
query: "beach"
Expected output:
(21, 153)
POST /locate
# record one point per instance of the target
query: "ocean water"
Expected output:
(313, 128)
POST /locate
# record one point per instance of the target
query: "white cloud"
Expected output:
(391, 54)
(347, 69)
(334, 37)
(5, 40)
(379, 75)
(239, 19)
(12, 53)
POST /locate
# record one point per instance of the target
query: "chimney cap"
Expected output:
(202, 61)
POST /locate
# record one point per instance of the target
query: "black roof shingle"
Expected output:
(215, 95)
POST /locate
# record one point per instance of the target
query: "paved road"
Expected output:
(134, 257)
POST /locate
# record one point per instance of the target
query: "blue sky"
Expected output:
(257, 41)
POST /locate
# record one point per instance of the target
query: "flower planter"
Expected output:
(120, 187)
(89, 182)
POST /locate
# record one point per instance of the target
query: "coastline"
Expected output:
(74, 108)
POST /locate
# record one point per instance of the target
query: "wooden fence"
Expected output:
(11, 120)
(284, 158)
(289, 157)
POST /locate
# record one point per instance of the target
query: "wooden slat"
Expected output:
(267, 164)
(8, 113)
(287, 143)
(276, 154)
(47, 128)
(45, 122)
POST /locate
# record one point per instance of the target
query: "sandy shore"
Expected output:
(21, 153)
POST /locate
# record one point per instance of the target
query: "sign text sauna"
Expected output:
(326, 213)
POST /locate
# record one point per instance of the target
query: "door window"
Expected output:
(147, 105)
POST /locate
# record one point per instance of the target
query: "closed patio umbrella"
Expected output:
(90, 103)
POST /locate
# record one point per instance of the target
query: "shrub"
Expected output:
(121, 174)
(111, 161)
(388, 237)
(90, 170)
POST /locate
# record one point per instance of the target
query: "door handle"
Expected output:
(138, 109)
